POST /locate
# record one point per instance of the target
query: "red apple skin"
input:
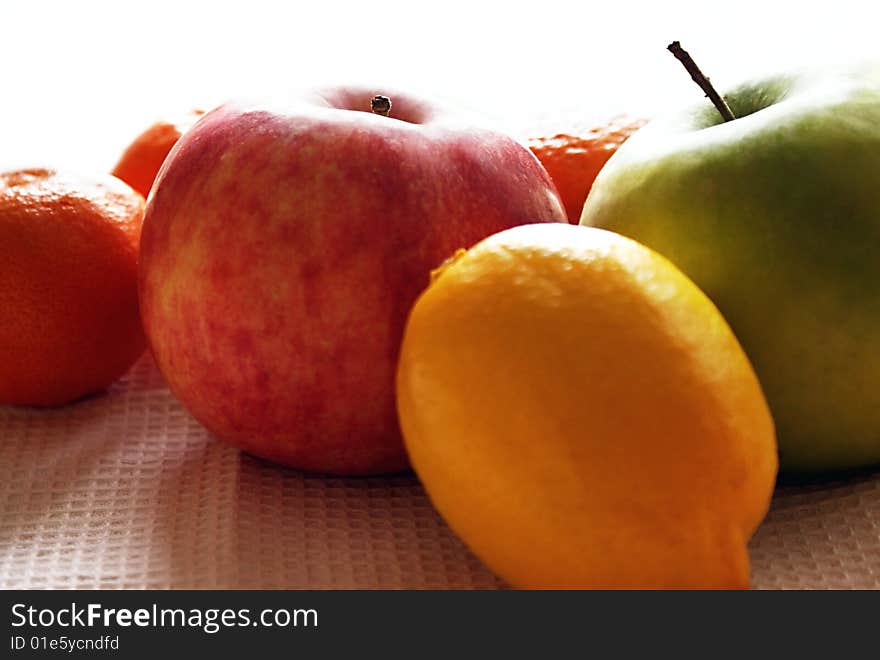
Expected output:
(281, 252)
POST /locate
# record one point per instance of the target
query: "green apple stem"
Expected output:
(691, 67)
(381, 105)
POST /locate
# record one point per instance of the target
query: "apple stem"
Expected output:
(381, 105)
(691, 67)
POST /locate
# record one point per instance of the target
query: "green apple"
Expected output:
(776, 216)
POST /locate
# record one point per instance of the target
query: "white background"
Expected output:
(80, 79)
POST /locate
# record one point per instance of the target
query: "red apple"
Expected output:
(282, 249)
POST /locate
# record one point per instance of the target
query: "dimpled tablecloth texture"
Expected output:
(126, 490)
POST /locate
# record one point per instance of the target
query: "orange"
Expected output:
(140, 162)
(583, 417)
(574, 157)
(69, 322)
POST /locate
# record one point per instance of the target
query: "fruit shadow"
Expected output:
(298, 530)
(820, 532)
(124, 489)
(810, 482)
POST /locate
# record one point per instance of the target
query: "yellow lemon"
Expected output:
(582, 416)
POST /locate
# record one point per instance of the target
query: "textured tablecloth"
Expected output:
(126, 490)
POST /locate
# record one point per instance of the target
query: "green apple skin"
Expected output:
(776, 216)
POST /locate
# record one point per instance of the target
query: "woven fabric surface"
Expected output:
(126, 490)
